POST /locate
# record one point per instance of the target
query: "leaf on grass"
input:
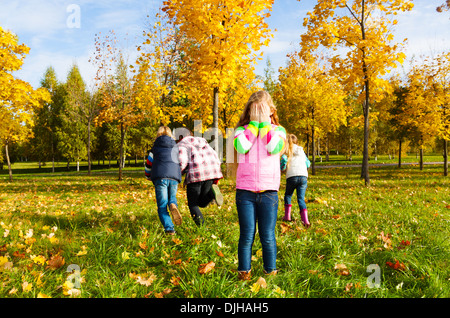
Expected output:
(262, 282)
(55, 262)
(342, 269)
(82, 252)
(219, 253)
(5, 264)
(206, 268)
(177, 241)
(284, 228)
(144, 279)
(386, 240)
(38, 259)
(397, 265)
(143, 245)
(125, 255)
(175, 281)
(26, 286)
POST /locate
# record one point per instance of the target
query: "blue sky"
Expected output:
(42, 25)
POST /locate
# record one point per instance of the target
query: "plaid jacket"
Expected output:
(198, 160)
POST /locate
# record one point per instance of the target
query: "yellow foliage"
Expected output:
(18, 99)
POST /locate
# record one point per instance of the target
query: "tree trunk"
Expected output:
(89, 148)
(421, 158)
(216, 121)
(400, 153)
(122, 139)
(8, 161)
(313, 146)
(365, 163)
(445, 157)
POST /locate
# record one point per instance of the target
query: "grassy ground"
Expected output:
(51, 223)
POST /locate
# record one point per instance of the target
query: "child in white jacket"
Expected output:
(296, 178)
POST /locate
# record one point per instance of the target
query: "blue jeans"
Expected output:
(166, 191)
(258, 208)
(300, 184)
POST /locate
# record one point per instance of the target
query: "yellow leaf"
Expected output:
(125, 255)
(26, 286)
(83, 251)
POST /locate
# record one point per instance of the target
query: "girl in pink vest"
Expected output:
(258, 140)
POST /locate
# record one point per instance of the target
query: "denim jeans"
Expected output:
(258, 208)
(300, 184)
(166, 190)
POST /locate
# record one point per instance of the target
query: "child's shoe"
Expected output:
(304, 216)
(176, 216)
(243, 275)
(287, 212)
(217, 194)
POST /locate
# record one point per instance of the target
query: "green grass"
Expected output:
(111, 230)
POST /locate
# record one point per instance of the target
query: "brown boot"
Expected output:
(176, 216)
(243, 275)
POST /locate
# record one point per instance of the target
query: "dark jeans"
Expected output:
(299, 183)
(199, 195)
(258, 208)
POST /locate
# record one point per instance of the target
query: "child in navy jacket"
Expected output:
(165, 174)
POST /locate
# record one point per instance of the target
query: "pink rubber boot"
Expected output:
(287, 212)
(304, 216)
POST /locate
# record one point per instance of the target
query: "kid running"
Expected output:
(201, 164)
(165, 175)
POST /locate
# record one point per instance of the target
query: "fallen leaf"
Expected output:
(386, 240)
(125, 255)
(26, 286)
(144, 279)
(177, 241)
(82, 252)
(342, 269)
(175, 281)
(397, 266)
(261, 282)
(284, 228)
(206, 268)
(255, 288)
(219, 253)
(55, 262)
(143, 245)
(405, 243)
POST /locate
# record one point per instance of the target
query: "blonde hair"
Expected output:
(291, 140)
(258, 97)
(164, 130)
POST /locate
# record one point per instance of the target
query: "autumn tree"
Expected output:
(427, 104)
(221, 41)
(158, 67)
(311, 99)
(118, 92)
(362, 30)
(18, 99)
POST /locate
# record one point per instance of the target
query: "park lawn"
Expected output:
(109, 229)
